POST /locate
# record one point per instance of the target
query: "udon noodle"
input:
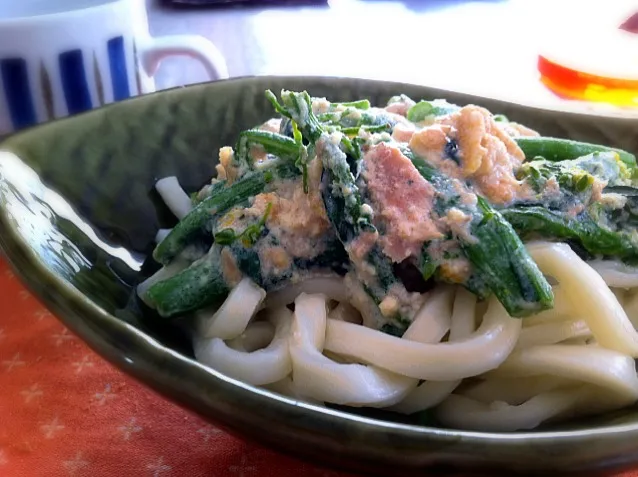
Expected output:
(415, 258)
(476, 369)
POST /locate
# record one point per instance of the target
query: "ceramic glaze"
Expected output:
(78, 218)
(63, 58)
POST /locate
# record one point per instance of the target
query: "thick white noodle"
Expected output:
(257, 335)
(264, 366)
(465, 413)
(621, 295)
(432, 321)
(317, 376)
(161, 234)
(330, 285)
(174, 196)
(482, 351)
(345, 312)
(526, 371)
(597, 400)
(231, 319)
(463, 314)
(552, 332)
(590, 297)
(432, 393)
(616, 273)
(514, 390)
(536, 391)
(288, 388)
(579, 341)
(163, 273)
(361, 300)
(601, 367)
(562, 310)
(631, 307)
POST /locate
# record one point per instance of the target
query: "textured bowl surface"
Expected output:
(77, 220)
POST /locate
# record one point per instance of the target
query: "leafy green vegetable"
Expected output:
(249, 236)
(197, 223)
(363, 104)
(302, 158)
(576, 174)
(430, 109)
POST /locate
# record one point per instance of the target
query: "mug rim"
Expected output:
(60, 16)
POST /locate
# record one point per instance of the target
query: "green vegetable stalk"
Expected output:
(197, 224)
(534, 222)
(500, 262)
(577, 175)
(200, 285)
(554, 149)
(430, 109)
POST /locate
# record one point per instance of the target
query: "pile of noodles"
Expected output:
(470, 363)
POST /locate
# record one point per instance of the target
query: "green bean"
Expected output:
(577, 175)
(273, 143)
(200, 285)
(362, 104)
(555, 149)
(197, 223)
(499, 259)
(536, 221)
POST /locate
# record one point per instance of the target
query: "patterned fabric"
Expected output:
(66, 412)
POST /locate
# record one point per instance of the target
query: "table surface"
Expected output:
(488, 47)
(67, 412)
(485, 47)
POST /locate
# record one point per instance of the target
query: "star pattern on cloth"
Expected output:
(129, 429)
(51, 428)
(76, 465)
(243, 468)
(14, 362)
(42, 314)
(208, 432)
(61, 337)
(103, 397)
(74, 415)
(159, 467)
(31, 393)
(82, 364)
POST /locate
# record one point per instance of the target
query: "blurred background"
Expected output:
(488, 47)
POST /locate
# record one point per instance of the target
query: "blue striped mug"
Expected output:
(63, 57)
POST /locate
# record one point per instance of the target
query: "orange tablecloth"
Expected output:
(64, 411)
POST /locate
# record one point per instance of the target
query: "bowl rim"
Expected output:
(86, 319)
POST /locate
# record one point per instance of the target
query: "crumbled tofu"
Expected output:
(389, 306)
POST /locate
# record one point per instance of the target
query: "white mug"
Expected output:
(62, 57)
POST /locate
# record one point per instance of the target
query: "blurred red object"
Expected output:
(631, 24)
(598, 68)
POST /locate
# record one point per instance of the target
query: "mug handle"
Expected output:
(155, 49)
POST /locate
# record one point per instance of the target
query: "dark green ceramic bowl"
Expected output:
(77, 219)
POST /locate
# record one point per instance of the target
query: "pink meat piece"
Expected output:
(402, 200)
